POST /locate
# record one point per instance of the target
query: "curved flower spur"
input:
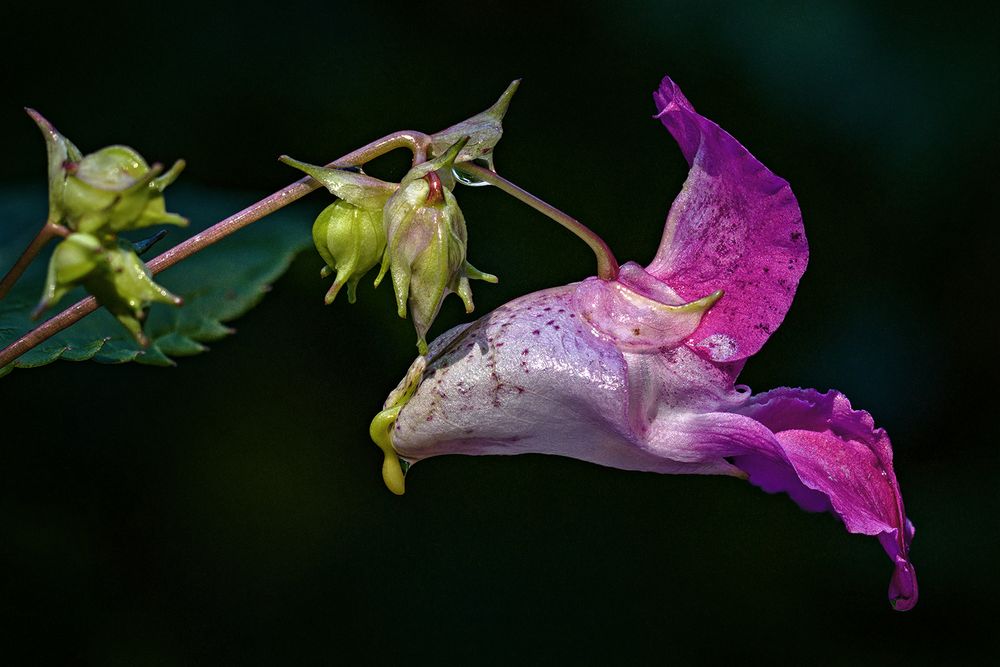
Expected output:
(638, 372)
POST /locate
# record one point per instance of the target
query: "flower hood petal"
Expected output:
(735, 227)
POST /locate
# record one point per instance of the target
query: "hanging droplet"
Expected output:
(485, 162)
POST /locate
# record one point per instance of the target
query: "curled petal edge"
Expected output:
(736, 227)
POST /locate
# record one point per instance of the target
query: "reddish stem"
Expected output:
(607, 265)
(415, 141)
(48, 231)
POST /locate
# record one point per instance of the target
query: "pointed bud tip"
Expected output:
(499, 108)
(448, 158)
(41, 121)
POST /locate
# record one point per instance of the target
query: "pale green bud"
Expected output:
(427, 242)
(114, 190)
(349, 233)
(125, 287)
(73, 259)
(113, 273)
(351, 241)
(484, 131)
(108, 191)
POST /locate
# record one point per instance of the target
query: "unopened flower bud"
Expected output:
(114, 274)
(73, 259)
(427, 242)
(114, 190)
(108, 191)
(349, 233)
(127, 289)
(351, 241)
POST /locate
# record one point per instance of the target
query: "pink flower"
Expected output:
(639, 372)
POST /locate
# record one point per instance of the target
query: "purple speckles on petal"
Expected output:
(735, 226)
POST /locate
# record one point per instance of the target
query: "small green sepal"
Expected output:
(61, 153)
(355, 188)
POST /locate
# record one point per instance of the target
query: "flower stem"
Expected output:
(607, 265)
(48, 231)
(417, 142)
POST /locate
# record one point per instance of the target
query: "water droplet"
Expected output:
(485, 162)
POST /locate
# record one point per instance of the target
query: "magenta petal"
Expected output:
(638, 372)
(735, 226)
(835, 452)
(637, 311)
(533, 376)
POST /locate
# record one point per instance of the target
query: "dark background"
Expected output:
(230, 509)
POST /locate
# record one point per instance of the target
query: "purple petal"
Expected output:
(735, 226)
(839, 460)
(638, 312)
(535, 377)
(532, 376)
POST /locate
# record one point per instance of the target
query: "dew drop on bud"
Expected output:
(486, 163)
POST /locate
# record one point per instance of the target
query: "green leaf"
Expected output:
(217, 284)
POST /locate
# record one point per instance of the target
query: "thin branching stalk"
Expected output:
(417, 142)
(607, 265)
(49, 231)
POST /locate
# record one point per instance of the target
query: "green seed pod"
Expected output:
(427, 242)
(351, 241)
